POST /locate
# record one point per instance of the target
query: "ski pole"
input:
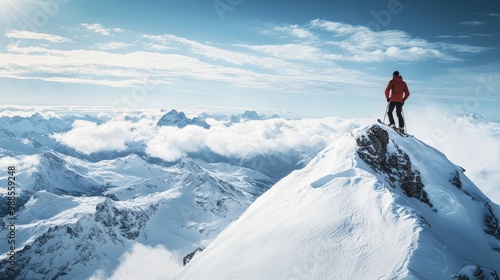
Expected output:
(404, 119)
(386, 110)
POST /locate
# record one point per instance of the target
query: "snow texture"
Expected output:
(372, 205)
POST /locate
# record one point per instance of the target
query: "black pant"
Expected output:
(399, 108)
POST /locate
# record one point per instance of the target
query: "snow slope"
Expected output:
(372, 205)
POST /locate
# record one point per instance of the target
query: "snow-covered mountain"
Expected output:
(34, 123)
(372, 205)
(82, 216)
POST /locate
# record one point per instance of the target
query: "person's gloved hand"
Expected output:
(388, 100)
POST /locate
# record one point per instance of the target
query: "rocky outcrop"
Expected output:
(491, 222)
(396, 166)
(476, 272)
(129, 222)
(190, 256)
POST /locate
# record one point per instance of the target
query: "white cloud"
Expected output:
(22, 163)
(472, 23)
(288, 51)
(130, 69)
(104, 68)
(360, 44)
(463, 48)
(339, 28)
(100, 29)
(295, 31)
(305, 63)
(415, 53)
(173, 143)
(229, 56)
(112, 45)
(248, 138)
(145, 262)
(88, 137)
(28, 35)
(156, 42)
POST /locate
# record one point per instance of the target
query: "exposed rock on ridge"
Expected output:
(396, 165)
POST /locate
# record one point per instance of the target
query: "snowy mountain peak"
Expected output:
(179, 119)
(189, 164)
(474, 118)
(34, 123)
(372, 203)
(251, 115)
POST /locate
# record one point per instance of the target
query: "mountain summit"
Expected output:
(372, 205)
(179, 119)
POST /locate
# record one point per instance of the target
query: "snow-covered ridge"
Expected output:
(372, 203)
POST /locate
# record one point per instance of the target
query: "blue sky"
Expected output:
(309, 58)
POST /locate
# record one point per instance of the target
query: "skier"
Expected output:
(396, 93)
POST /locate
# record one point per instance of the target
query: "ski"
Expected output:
(404, 134)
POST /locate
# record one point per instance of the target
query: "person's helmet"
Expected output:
(396, 73)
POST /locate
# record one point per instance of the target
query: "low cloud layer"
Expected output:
(88, 137)
(249, 138)
(238, 140)
(144, 262)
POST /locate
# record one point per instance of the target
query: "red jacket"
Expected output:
(399, 89)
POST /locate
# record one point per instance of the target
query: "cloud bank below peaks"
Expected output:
(89, 137)
(171, 143)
